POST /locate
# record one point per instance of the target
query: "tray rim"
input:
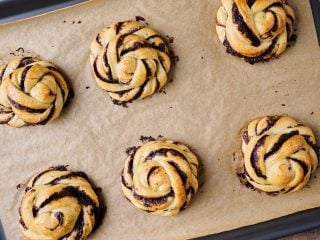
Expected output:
(281, 227)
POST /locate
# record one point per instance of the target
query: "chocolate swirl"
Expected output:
(32, 92)
(160, 177)
(279, 154)
(59, 204)
(255, 30)
(130, 61)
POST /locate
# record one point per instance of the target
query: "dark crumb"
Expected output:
(73, 22)
(131, 150)
(283, 105)
(119, 103)
(218, 159)
(87, 87)
(314, 176)
(163, 91)
(201, 57)
(170, 107)
(139, 18)
(20, 185)
(311, 113)
(79, 22)
(59, 167)
(145, 139)
(176, 58)
(20, 49)
(170, 39)
(244, 181)
(64, 21)
(275, 91)
(171, 80)
(70, 97)
(293, 38)
(234, 156)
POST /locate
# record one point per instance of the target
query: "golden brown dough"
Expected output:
(160, 177)
(32, 92)
(59, 204)
(279, 154)
(130, 61)
(255, 30)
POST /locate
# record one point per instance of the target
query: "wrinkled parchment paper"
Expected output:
(212, 96)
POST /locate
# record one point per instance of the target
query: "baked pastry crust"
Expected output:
(58, 204)
(32, 92)
(255, 30)
(160, 177)
(279, 154)
(130, 61)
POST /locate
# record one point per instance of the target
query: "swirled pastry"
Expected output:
(255, 30)
(279, 154)
(160, 177)
(130, 61)
(32, 92)
(58, 204)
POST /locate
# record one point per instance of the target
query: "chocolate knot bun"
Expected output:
(279, 154)
(32, 92)
(58, 204)
(160, 177)
(130, 61)
(255, 30)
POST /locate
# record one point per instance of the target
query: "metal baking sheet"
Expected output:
(11, 10)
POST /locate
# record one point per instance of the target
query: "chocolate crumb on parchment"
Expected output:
(283, 105)
(87, 87)
(140, 19)
(311, 113)
(170, 39)
(119, 103)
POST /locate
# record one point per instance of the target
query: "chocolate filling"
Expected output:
(51, 113)
(246, 137)
(302, 164)
(30, 110)
(243, 27)
(135, 46)
(124, 182)
(271, 121)
(254, 158)
(68, 191)
(60, 217)
(164, 152)
(95, 69)
(150, 173)
(56, 168)
(70, 175)
(23, 77)
(148, 202)
(182, 175)
(282, 139)
(2, 73)
(250, 3)
(119, 26)
(251, 60)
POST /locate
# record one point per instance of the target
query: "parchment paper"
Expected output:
(212, 96)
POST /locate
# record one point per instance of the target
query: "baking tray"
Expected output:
(11, 10)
